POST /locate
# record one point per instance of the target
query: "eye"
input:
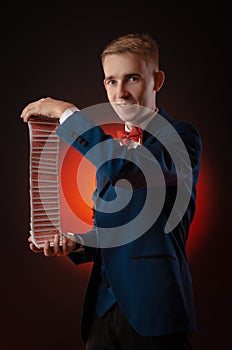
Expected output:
(133, 78)
(111, 82)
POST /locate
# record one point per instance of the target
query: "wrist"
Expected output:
(63, 106)
(67, 112)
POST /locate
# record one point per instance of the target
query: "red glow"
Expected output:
(203, 219)
(76, 213)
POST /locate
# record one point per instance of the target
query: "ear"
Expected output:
(159, 78)
(104, 83)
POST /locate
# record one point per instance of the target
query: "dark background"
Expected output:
(54, 51)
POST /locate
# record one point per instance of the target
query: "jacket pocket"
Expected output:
(154, 256)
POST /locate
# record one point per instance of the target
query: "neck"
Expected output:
(142, 122)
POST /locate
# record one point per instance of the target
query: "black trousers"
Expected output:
(113, 332)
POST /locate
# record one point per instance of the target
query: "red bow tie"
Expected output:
(135, 135)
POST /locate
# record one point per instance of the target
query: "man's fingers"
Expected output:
(57, 247)
(35, 249)
(64, 245)
(48, 250)
(47, 107)
(61, 247)
(33, 109)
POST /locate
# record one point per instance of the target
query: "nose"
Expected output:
(121, 92)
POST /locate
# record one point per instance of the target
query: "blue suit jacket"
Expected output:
(149, 275)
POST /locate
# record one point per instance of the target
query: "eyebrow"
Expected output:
(111, 77)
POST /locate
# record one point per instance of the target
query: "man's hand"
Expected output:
(55, 248)
(46, 107)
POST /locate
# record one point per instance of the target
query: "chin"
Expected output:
(127, 117)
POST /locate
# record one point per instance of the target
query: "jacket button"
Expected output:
(72, 134)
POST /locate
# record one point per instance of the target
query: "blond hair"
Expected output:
(140, 44)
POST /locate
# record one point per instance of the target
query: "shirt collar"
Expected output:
(143, 124)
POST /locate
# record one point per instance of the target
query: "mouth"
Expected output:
(126, 110)
(124, 104)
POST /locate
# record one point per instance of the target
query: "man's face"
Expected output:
(129, 83)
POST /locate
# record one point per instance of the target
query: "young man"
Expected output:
(140, 291)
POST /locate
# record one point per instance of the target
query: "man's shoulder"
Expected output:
(181, 126)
